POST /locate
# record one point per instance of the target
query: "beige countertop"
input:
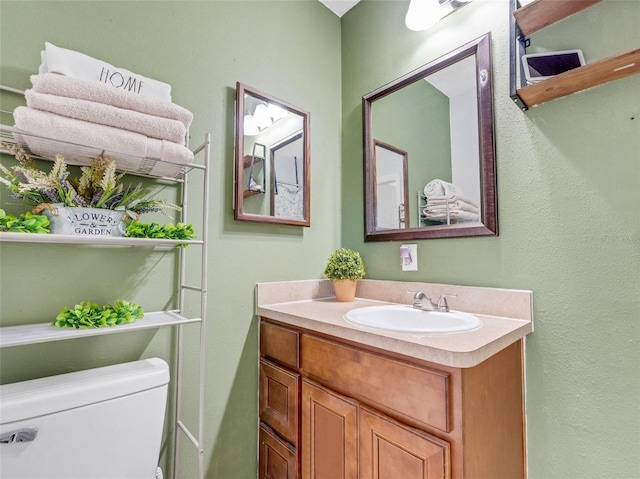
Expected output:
(506, 317)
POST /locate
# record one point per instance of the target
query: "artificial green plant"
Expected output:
(345, 264)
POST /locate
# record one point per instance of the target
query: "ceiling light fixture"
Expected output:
(264, 115)
(276, 112)
(261, 116)
(250, 126)
(423, 14)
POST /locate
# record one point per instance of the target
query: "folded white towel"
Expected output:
(441, 188)
(454, 201)
(130, 150)
(87, 90)
(452, 206)
(151, 126)
(78, 65)
(443, 211)
(458, 215)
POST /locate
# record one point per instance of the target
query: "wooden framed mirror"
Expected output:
(440, 116)
(272, 175)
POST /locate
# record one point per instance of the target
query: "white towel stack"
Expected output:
(445, 203)
(144, 133)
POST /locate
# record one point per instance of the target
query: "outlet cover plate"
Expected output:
(412, 265)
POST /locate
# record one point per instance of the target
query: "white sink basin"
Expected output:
(411, 320)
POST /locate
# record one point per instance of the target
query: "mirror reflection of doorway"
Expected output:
(389, 202)
(287, 173)
(392, 195)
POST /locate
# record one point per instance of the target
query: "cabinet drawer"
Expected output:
(415, 392)
(279, 400)
(279, 344)
(277, 459)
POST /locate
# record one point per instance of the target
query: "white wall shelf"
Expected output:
(25, 334)
(92, 240)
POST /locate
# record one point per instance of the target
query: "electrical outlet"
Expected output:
(409, 257)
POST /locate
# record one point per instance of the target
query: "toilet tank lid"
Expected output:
(38, 397)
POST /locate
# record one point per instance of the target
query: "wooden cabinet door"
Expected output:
(329, 434)
(277, 459)
(279, 400)
(391, 450)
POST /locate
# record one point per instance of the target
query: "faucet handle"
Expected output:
(418, 295)
(443, 305)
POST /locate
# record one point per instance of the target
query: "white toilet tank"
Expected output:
(103, 423)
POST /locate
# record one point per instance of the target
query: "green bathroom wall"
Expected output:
(568, 175)
(568, 191)
(288, 49)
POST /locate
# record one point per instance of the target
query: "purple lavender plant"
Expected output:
(98, 186)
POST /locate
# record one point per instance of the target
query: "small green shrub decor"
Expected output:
(25, 223)
(179, 231)
(345, 264)
(87, 315)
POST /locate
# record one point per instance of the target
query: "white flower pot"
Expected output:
(75, 221)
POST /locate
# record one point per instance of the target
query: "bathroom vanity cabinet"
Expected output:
(332, 408)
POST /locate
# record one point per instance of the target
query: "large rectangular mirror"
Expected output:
(271, 160)
(430, 150)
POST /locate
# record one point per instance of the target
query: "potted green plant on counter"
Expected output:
(344, 268)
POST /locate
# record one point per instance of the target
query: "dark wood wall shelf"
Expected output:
(540, 14)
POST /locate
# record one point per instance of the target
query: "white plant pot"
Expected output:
(76, 221)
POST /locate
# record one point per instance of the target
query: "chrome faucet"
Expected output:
(423, 302)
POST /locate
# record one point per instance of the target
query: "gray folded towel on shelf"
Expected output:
(70, 87)
(131, 151)
(100, 113)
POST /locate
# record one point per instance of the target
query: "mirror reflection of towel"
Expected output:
(441, 188)
(448, 207)
(289, 202)
(458, 203)
(458, 215)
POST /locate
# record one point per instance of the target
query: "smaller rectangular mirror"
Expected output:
(272, 176)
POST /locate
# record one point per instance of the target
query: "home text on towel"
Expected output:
(117, 80)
